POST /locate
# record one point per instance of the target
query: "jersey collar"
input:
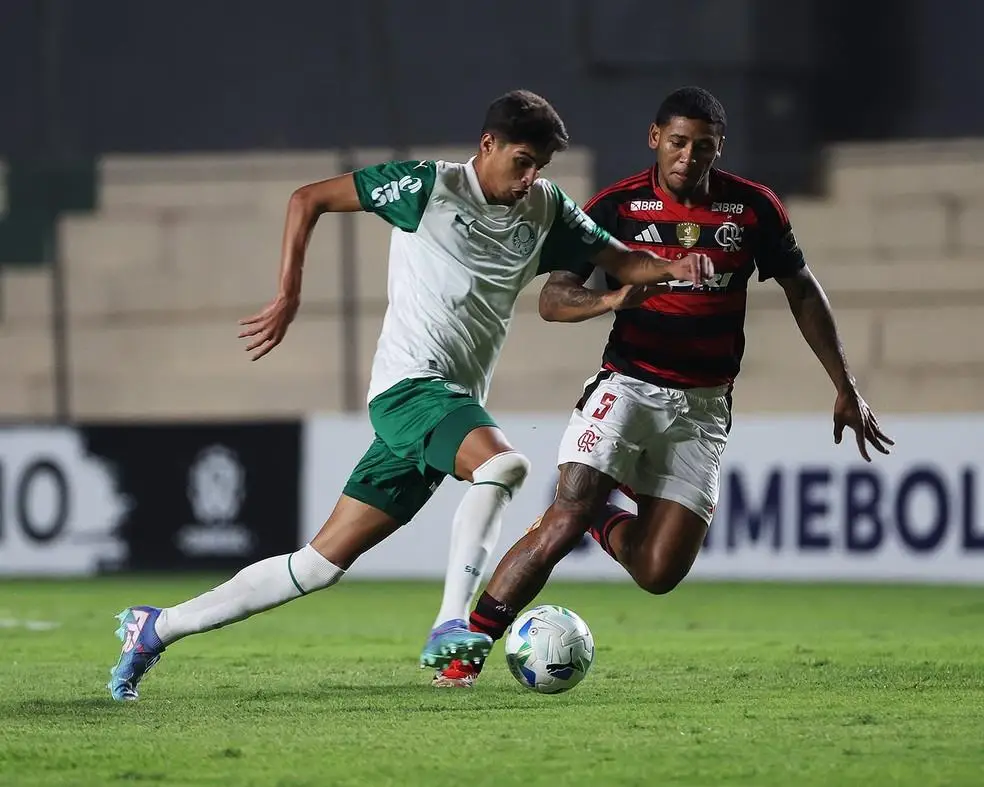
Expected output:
(476, 190)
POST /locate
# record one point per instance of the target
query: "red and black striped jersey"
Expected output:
(686, 337)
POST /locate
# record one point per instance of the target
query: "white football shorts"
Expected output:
(657, 441)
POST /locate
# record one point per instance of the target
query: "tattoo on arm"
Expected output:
(567, 289)
(564, 298)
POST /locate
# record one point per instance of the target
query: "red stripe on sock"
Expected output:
(610, 522)
(602, 534)
(477, 622)
(606, 529)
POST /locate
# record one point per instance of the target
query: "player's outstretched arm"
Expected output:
(267, 329)
(644, 267)
(564, 298)
(306, 205)
(809, 305)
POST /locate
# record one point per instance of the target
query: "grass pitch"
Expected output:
(715, 684)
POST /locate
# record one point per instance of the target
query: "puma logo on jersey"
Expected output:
(390, 192)
(466, 224)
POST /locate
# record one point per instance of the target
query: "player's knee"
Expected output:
(659, 576)
(658, 585)
(509, 469)
(310, 570)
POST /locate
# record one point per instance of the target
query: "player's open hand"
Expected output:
(267, 329)
(853, 411)
(695, 268)
(632, 296)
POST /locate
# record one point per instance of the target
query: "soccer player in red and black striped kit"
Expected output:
(655, 420)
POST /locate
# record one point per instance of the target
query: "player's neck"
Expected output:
(700, 195)
(480, 177)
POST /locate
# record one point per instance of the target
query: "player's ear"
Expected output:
(487, 142)
(720, 149)
(653, 137)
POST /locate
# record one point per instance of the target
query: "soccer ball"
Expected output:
(549, 649)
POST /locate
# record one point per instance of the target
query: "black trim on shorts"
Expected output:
(603, 375)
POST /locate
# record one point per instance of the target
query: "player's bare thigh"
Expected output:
(355, 527)
(663, 543)
(479, 445)
(352, 529)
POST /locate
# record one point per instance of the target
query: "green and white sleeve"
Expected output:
(573, 238)
(397, 191)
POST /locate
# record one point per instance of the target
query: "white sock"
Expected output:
(258, 587)
(475, 530)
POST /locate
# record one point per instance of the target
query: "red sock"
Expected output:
(610, 516)
(491, 617)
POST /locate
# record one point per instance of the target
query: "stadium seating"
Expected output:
(182, 247)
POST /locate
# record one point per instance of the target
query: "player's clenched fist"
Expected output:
(696, 268)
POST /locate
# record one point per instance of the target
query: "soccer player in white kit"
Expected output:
(467, 237)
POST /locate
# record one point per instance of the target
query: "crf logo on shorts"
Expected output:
(587, 441)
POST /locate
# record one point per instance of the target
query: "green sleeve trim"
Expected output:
(573, 239)
(396, 191)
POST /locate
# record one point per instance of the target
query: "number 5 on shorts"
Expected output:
(607, 400)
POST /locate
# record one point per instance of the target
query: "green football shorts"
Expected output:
(420, 424)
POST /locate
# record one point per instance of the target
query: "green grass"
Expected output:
(716, 684)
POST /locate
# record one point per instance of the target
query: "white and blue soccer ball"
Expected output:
(549, 649)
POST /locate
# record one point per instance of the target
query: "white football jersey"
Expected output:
(457, 265)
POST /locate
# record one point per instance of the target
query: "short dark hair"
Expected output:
(521, 116)
(694, 103)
